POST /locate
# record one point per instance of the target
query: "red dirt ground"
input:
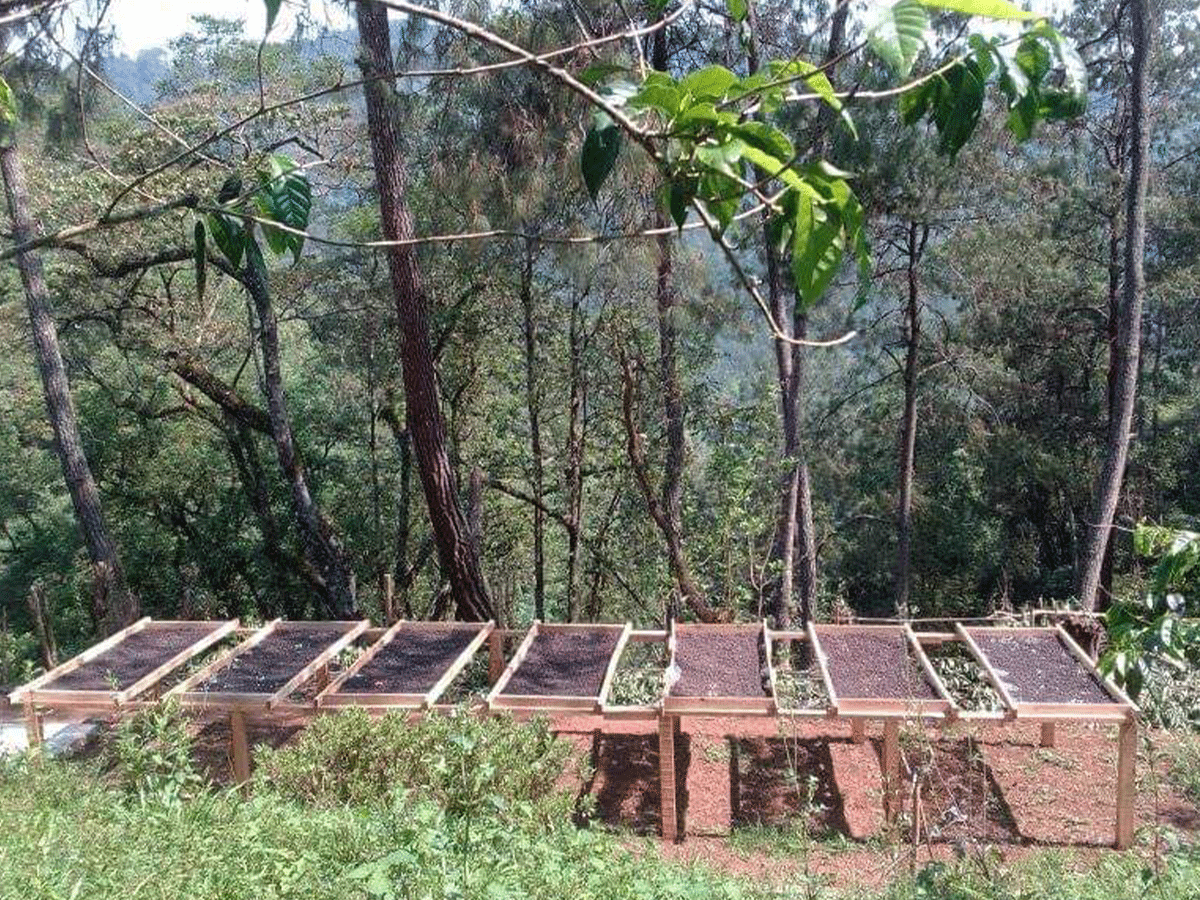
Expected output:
(980, 785)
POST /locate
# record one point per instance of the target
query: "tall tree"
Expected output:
(917, 234)
(321, 542)
(457, 553)
(114, 604)
(1123, 384)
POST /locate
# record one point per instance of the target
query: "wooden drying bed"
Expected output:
(719, 670)
(869, 672)
(878, 669)
(410, 666)
(561, 668)
(125, 665)
(265, 669)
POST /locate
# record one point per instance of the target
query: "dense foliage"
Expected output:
(1011, 396)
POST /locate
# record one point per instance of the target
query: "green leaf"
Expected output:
(598, 71)
(228, 236)
(198, 247)
(898, 34)
(816, 260)
(990, 9)
(272, 11)
(679, 197)
(959, 106)
(765, 137)
(737, 9)
(8, 103)
(284, 196)
(817, 82)
(712, 82)
(231, 189)
(599, 154)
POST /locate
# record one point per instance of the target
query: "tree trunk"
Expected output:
(459, 562)
(670, 507)
(783, 544)
(43, 626)
(318, 536)
(120, 604)
(806, 537)
(533, 406)
(1129, 324)
(676, 558)
(917, 236)
(574, 454)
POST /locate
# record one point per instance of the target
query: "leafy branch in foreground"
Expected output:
(716, 155)
(1153, 630)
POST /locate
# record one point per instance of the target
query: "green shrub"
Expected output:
(1185, 766)
(465, 764)
(151, 755)
(66, 833)
(1054, 876)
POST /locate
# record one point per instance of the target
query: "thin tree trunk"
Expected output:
(575, 449)
(806, 537)
(43, 626)
(1129, 325)
(318, 536)
(917, 235)
(676, 557)
(403, 501)
(783, 544)
(533, 406)
(669, 515)
(456, 554)
(120, 605)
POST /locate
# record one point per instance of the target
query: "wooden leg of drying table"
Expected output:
(240, 746)
(891, 770)
(858, 730)
(1048, 734)
(667, 726)
(34, 730)
(495, 657)
(1126, 786)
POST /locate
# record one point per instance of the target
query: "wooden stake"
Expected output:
(495, 657)
(34, 732)
(1049, 733)
(667, 725)
(1126, 785)
(240, 747)
(891, 770)
(858, 730)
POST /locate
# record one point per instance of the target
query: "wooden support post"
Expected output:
(34, 730)
(389, 599)
(667, 726)
(495, 657)
(1126, 783)
(858, 730)
(891, 770)
(240, 748)
(1049, 733)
